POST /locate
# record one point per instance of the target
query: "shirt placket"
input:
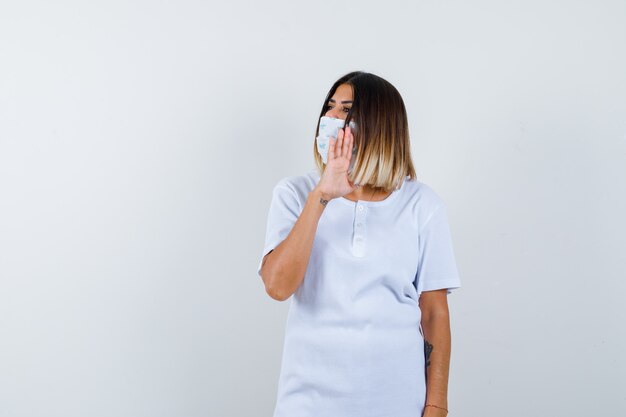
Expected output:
(359, 234)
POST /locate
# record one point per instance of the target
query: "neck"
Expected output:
(367, 193)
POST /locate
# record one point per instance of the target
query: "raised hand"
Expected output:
(334, 181)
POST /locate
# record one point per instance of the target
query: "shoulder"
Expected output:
(422, 194)
(423, 200)
(296, 187)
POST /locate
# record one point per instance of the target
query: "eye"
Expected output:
(345, 109)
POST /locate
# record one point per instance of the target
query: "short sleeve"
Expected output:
(437, 267)
(283, 212)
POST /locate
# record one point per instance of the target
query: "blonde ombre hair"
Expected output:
(383, 157)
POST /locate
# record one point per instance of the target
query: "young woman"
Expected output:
(367, 254)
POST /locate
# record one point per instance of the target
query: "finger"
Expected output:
(351, 136)
(339, 147)
(346, 150)
(331, 149)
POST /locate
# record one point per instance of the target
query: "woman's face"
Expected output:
(340, 103)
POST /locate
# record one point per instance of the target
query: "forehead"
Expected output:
(343, 92)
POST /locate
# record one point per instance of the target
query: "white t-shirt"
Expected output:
(353, 342)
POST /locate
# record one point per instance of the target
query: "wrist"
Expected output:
(434, 410)
(320, 195)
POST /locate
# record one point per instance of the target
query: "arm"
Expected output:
(284, 267)
(436, 328)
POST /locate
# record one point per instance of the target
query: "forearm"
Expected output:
(287, 265)
(437, 341)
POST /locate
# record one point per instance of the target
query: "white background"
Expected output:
(140, 141)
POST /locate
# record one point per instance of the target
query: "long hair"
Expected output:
(383, 157)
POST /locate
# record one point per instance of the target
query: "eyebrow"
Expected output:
(332, 100)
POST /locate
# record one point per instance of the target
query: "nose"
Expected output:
(336, 114)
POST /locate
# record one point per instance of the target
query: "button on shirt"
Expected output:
(353, 342)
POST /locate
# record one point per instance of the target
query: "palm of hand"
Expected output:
(339, 155)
